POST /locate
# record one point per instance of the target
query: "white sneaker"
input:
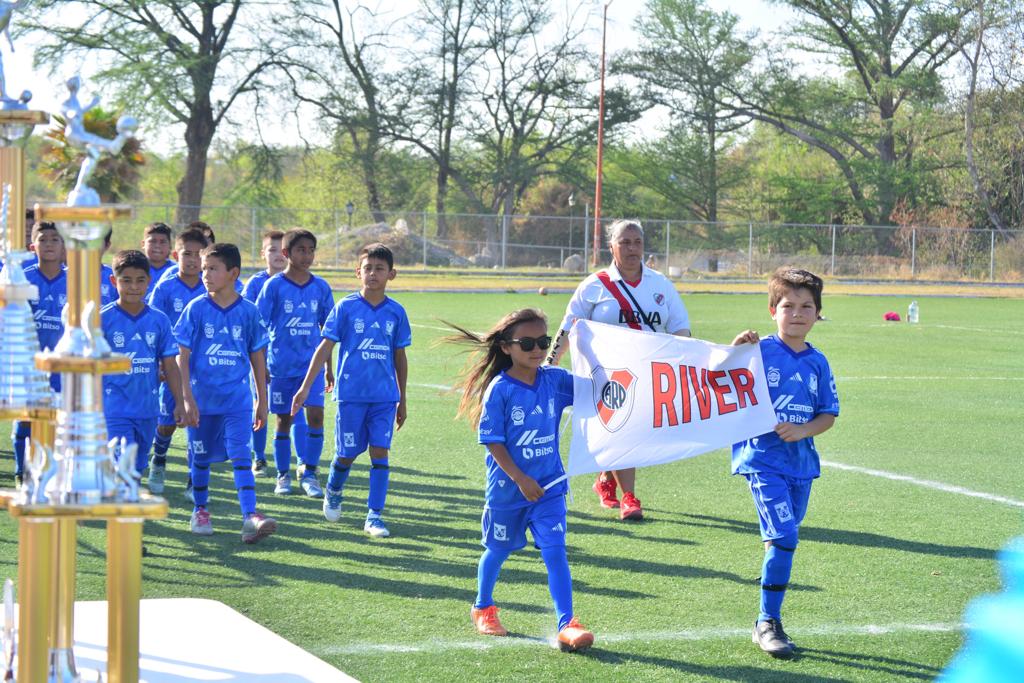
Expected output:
(311, 485)
(284, 484)
(200, 523)
(332, 506)
(375, 526)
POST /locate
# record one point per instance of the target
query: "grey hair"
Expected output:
(620, 226)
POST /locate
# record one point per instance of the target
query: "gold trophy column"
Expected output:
(124, 590)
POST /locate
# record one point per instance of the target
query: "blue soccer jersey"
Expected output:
(220, 341)
(156, 274)
(802, 387)
(172, 296)
(254, 285)
(293, 314)
(108, 292)
(147, 339)
(367, 337)
(525, 420)
(53, 294)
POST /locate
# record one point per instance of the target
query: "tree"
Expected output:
(874, 119)
(184, 61)
(341, 74)
(690, 56)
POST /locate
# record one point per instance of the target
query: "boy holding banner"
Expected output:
(781, 465)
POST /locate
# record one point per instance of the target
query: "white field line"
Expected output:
(942, 378)
(926, 483)
(721, 633)
(893, 476)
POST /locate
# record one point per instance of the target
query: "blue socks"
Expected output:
(559, 582)
(18, 435)
(282, 453)
(160, 446)
(299, 433)
(200, 483)
(245, 484)
(339, 475)
(778, 564)
(487, 576)
(314, 448)
(259, 443)
(379, 475)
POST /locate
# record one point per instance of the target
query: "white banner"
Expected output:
(642, 398)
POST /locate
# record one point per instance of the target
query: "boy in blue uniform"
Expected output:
(275, 260)
(171, 297)
(519, 402)
(130, 400)
(222, 340)
(294, 306)
(157, 241)
(781, 465)
(50, 276)
(373, 331)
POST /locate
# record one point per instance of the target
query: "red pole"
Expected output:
(600, 147)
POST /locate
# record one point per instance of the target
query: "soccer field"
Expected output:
(884, 570)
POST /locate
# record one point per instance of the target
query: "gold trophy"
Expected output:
(75, 475)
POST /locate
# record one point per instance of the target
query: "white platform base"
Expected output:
(198, 640)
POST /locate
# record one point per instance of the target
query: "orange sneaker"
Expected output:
(605, 490)
(486, 621)
(574, 637)
(630, 507)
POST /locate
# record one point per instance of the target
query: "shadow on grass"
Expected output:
(846, 537)
(886, 665)
(725, 672)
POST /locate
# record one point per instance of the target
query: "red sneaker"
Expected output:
(574, 637)
(630, 507)
(486, 621)
(605, 490)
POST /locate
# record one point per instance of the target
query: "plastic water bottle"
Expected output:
(912, 313)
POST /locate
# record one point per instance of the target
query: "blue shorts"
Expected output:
(506, 529)
(781, 502)
(359, 425)
(138, 430)
(221, 437)
(167, 406)
(283, 390)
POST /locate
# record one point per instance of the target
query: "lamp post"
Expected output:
(350, 208)
(600, 144)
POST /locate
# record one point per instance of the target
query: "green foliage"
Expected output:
(116, 177)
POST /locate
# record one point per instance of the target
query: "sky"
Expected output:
(49, 91)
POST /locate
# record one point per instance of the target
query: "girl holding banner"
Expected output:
(633, 295)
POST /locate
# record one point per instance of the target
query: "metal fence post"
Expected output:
(253, 224)
(337, 237)
(913, 252)
(750, 249)
(668, 231)
(833, 250)
(504, 238)
(424, 231)
(586, 232)
(992, 256)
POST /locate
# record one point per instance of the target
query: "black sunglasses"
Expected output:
(526, 343)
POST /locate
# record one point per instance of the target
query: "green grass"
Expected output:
(669, 598)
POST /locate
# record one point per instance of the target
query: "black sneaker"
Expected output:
(259, 468)
(770, 637)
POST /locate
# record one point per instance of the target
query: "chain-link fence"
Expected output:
(679, 248)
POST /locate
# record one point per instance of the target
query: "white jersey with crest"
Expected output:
(651, 303)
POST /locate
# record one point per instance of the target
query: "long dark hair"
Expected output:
(489, 361)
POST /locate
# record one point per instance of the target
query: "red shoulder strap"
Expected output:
(629, 316)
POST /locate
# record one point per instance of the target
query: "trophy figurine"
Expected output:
(6, 13)
(93, 145)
